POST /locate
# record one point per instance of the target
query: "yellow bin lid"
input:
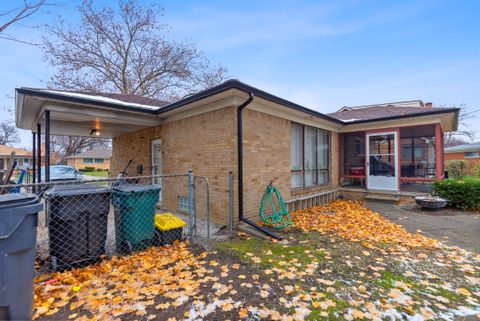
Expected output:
(168, 221)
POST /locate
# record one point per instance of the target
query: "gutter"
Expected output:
(240, 169)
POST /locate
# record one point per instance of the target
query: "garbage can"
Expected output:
(134, 215)
(169, 228)
(18, 234)
(77, 217)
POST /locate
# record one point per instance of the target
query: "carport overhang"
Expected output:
(49, 113)
(78, 118)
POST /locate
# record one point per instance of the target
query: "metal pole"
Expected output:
(190, 204)
(39, 153)
(47, 146)
(34, 158)
(208, 213)
(230, 188)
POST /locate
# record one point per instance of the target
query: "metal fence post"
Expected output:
(191, 205)
(208, 213)
(230, 188)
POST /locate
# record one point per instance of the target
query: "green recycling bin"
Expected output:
(134, 215)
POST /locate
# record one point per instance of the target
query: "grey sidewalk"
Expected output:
(458, 230)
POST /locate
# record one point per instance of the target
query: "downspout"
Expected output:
(240, 169)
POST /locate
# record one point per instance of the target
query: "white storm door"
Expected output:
(157, 163)
(382, 167)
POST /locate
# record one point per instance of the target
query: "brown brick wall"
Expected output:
(203, 143)
(267, 157)
(460, 156)
(207, 143)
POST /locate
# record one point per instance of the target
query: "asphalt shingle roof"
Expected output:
(382, 112)
(473, 147)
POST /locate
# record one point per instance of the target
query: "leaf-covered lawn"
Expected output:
(318, 272)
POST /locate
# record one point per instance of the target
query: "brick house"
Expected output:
(384, 150)
(470, 153)
(466, 152)
(98, 159)
(22, 155)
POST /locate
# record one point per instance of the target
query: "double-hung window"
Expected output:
(309, 156)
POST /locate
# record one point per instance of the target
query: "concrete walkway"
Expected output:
(458, 230)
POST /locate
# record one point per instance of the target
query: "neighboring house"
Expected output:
(384, 149)
(23, 157)
(95, 158)
(467, 152)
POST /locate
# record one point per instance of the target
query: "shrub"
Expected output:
(476, 169)
(460, 193)
(456, 168)
(88, 169)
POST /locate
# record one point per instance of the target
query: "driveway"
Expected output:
(458, 230)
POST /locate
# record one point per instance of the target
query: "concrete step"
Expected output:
(383, 198)
(245, 228)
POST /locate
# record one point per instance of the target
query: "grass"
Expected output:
(388, 280)
(101, 174)
(270, 254)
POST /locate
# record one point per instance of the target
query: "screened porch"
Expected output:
(406, 159)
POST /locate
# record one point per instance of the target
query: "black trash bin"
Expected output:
(18, 234)
(77, 218)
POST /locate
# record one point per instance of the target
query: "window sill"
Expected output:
(305, 190)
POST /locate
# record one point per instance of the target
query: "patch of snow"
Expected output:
(102, 99)
(350, 120)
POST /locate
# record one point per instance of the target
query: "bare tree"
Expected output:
(454, 141)
(465, 133)
(17, 15)
(126, 51)
(8, 133)
(71, 145)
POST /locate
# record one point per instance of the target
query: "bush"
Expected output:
(476, 169)
(460, 193)
(88, 169)
(456, 169)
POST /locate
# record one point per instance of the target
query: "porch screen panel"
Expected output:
(352, 159)
(417, 152)
(297, 155)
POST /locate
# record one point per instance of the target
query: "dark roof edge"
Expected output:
(426, 113)
(227, 85)
(236, 84)
(79, 100)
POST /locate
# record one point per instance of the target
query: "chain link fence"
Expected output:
(84, 222)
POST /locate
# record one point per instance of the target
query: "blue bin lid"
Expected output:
(13, 210)
(17, 200)
(135, 188)
(74, 189)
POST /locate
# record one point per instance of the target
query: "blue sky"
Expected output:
(322, 55)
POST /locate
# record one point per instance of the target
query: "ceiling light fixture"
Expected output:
(94, 132)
